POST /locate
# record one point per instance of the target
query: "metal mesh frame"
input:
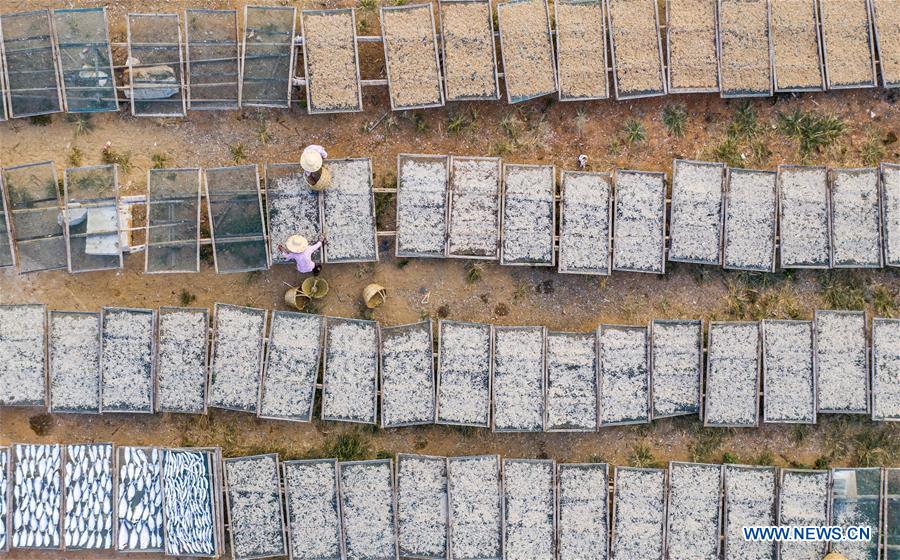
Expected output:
(779, 509)
(375, 366)
(886, 236)
(152, 110)
(401, 159)
(310, 108)
(744, 505)
(602, 554)
(268, 362)
(65, 463)
(443, 33)
(55, 409)
(653, 175)
(877, 414)
(339, 533)
(6, 497)
(386, 332)
(726, 93)
(169, 202)
(612, 508)
(369, 217)
(118, 463)
(22, 337)
(612, 48)
(524, 517)
(699, 348)
(219, 202)
(689, 163)
(705, 404)
(543, 331)
(669, 87)
(86, 194)
(603, 178)
(604, 61)
(720, 515)
(205, 357)
(276, 490)
(780, 206)
(260, 345)
(391, 483)
(507, 167)
(890, 514)
(490, 486)
(510, 99)
(765, 371)
(818, 25)
(134, 312)
(387, 60)
(401, 457)
(497, 193)
(220, 61)
(489, 374)
(875, 19)
(45, 205)
(870, 40)
(274, 172)
(729, 173)
(246, 100)
(54, 99)
(4, 101)
(648, 398)
(7, 252)
(214, 459)
(853, 496)
(834, 209)
(861, 316)
(80, 97)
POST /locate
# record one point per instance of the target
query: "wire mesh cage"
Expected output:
(581, 62)
(182, 361)
(585, 223)
(292, 208)
(93, 229)
(85, 60)
(155, 65)
(526, 45)
(173, 221)
(468, 50)
(234, 204)
(32, 198)
(331, 61)
(30, 64)
(74, 362)
(212, 59)
(293, 355)
(407, 375)
(422, 201)
(23, 369)
(636, 47)
(267, 61)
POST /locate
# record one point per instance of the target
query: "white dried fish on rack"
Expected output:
(89, 497)
(36, 496)
(139, 500)
(4, 498)
(189, 505)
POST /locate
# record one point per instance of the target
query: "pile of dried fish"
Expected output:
(36, 497)
(139, 507)
(189, 508)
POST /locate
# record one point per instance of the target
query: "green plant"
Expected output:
(110, 156)
(634, 132)
(401, 263)
(347, 446)
(384, 205)
(729, 152)
(705, 443)
(457, 122)
(581, 120)
(641, 456)
(764, 459)
(473, 272)
(370, 5)
(41, 120)
(159, 160)
(729, 458)
(262, 133)
(76, 156)
(872, 151)
(813, 132)
(82, 123)
(186, 298)
(877, 447)
(238, 154)
(501, 147)
(822, 463)
(420, 122)
(675, 118)
(511, 125)
(745, 123)
(843, 291)
(884, 301)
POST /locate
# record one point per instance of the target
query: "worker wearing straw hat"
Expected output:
(317, 175)
(298, 249)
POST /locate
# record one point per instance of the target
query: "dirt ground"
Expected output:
(542, 131)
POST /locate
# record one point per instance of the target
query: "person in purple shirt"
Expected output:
(298, 249)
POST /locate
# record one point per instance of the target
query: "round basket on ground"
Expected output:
(295, 298)
(374, 295)
(314, 287)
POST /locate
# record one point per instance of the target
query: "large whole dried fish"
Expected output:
(36, 496)
(89, 490)
(139, 500)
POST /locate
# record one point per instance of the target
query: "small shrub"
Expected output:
(443, 311)
(634, 132)
(745, 123)
(111, 156)
(729, 152)
(370, 5)
(41, 120)
(347, 446)
(76, 156)
(401, 263)
(186, 298)
(501, 310)
(675, 118)
(884, 301)
(41, 424)
(843, 291)
(238, 154)
(813, 132)
(82, 123)
(706, 442)
(876, 447)
(729, 458)
(473, 272)
(457, 122)
(765, 459)
(872, 151)
(159, 160)
(641, 456)
(262, 134)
